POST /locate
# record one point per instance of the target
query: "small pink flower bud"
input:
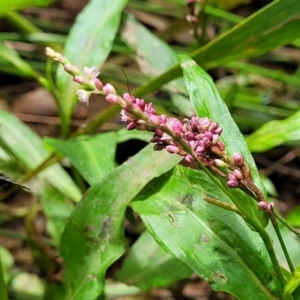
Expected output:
(153, 120)
(265, 206)
(232, 184)
(238, 174)
(112, 98)
(131, 125)
(78, 79)
(98, 84)
(109, 89)
(172, 149)
(189, 158)
(220, 163)
(238, 159)
(72, 70)
(128, 98)
(189, 136)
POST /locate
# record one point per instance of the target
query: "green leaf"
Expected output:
(9, 55)
(145, 43)
(92, 156)
(272, 26)
(20, 4)
(56, 209)
(275, 133)
(208, 103)
(28, 148)
(148, 265)
(88, 45)
(214, 242)
(94, 237)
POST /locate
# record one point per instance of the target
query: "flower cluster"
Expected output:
(196, 139)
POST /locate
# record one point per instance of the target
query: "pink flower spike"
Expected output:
(84, 96)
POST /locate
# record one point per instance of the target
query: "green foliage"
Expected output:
(191, 220)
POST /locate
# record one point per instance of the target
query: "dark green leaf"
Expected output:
(94, 238)
(215, 243)
(92, 156)
(148, 265)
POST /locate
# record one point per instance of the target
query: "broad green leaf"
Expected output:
(214, 242)
(28, 148)
(88, 45)
(20, 4)
(208, 103)
(272, 26)
(56, 209)
(145, 44)
(148, 265)
(94, 237)
(275, 133)
(92, 156)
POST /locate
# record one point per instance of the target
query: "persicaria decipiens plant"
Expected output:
(196, 139)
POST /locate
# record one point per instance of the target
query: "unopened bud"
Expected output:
(238, 174)
(238, 159)
(220, 163)
(109, 89)
(71, 69)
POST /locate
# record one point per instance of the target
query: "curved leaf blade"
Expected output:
(215, 243)
(275, 133)
(92, 156)
(94, 238)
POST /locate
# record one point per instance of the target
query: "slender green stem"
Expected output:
(287, 224)
(281, 241)
(223, 205)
